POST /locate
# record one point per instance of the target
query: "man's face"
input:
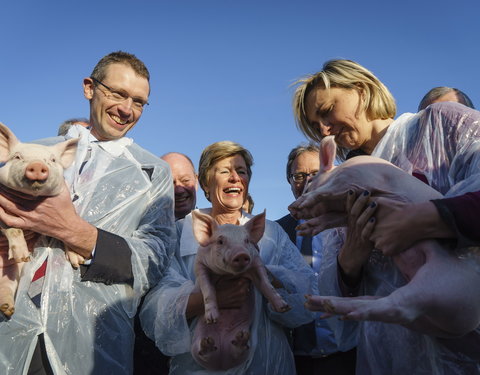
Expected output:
(185, 182)
(112, 119)
(306, 162)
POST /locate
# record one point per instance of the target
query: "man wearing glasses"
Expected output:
(117, 214)
(314, 346)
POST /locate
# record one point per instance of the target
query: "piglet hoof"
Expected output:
(281, 306)
(25, 259)
(241, 339)
(207, 345)
(7, 309)
(211, 316)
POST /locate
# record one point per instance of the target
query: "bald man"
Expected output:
(185, 182)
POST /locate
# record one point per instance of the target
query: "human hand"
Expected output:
(399, 225)
(51, 216)
(357, 247)
(317, 203)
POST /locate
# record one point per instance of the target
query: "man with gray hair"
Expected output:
(445, 94)
(67, 124)
(314, 346)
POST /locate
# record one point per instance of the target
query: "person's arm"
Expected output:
(56, 217)
(460, 215)
(356, 249)
(52, 216)
(398, 225)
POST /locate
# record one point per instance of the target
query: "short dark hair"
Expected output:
(119, 57)
(300, 149)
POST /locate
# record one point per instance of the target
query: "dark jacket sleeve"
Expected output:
(462, 215)
(112, 261)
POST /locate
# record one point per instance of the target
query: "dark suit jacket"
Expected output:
(288, 223)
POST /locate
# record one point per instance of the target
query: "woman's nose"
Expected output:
(234, 176)
(325, 129)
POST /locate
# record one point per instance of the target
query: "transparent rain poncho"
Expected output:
(88, 326)
(442, 143)
(163, 312)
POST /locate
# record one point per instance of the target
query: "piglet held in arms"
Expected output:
(36, 171)
(220, 339)
(441, 296)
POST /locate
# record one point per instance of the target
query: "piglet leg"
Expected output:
(17, 246)
(8, 286)
(208, 292)
(260, 280)
(207, 345)
(74, 258)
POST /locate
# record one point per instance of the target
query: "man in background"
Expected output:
(314, 345)
(185, 182)
(67, 124)
(445, 94)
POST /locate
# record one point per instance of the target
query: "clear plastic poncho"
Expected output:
(88, 326)
(441, 142)
(163, 311)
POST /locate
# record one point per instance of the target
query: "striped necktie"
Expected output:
(36, 286)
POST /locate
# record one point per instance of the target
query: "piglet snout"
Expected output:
(241, 260)
(36, 171)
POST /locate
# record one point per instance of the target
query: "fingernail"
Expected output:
(366, 192)
(373, 205)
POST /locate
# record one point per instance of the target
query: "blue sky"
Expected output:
(222, 70)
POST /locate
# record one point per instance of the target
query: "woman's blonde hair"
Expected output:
(346, 74)
(218, 151)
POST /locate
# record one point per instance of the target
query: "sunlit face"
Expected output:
(306, 162)
(185, 184)
(338, 112)
(112, 119)
(228, 184)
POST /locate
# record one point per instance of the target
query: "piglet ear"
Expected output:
(328, 152)
(67, 150)
(7, 142)
(256, 227)
(203, 227)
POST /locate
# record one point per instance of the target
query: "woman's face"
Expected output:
(228, 184)
(339, 112)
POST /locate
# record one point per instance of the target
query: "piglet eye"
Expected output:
(53, 159)
(247, 241)
(220, 241)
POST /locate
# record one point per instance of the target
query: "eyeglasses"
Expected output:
(302, 176)
(121, 96)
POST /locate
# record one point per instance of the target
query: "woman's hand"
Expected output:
(357, 247)
(399, 225)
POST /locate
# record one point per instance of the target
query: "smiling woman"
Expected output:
(439, 145)
(171, 310)
(224, 174)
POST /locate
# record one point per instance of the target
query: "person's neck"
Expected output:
(379, 128)
(232, 217)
